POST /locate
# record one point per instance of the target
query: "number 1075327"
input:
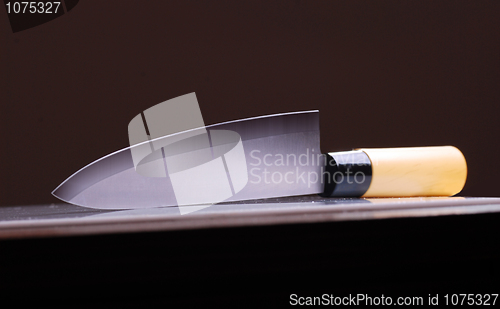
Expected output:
(470, 299)
(33, 7)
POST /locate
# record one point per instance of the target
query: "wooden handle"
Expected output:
(416, 171)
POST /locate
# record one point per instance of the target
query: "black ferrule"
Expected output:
(347, 173)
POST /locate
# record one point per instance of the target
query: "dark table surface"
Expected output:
(256, 252)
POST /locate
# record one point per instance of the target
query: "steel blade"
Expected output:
(261, 157)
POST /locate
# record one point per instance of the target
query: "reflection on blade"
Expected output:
(261, 157)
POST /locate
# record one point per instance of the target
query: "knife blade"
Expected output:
(275, 159)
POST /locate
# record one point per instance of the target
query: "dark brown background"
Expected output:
(382, 73)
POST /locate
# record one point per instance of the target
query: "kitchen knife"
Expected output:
(261, 157)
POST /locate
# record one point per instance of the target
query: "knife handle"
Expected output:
(395, 172)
